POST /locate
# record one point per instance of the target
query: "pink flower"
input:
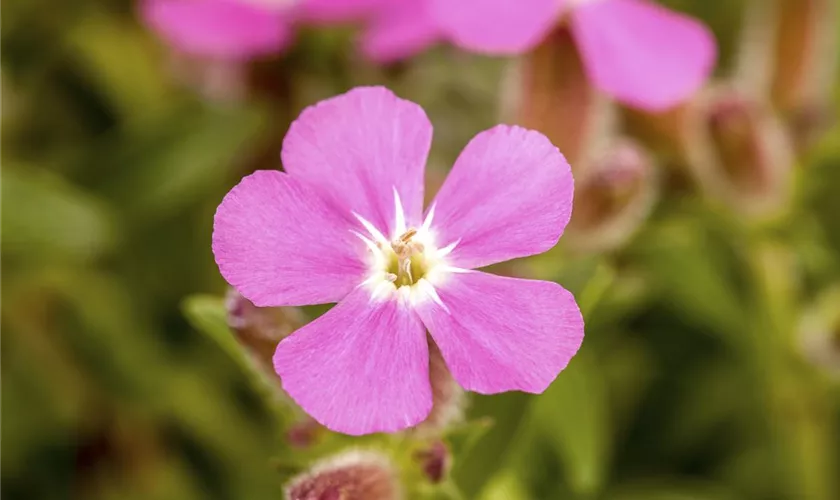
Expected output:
(638, 52)
(230, 30)
(241, 30)
(345, 223)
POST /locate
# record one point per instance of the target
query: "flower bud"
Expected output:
(353, 475)
(738, 151)
(435, 461)
(260, 329)
(304, 433)
(820, 332)
(548, 90)
(789, 53)
(614, 196)
(448, 398)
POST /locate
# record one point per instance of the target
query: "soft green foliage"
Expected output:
(121, 378)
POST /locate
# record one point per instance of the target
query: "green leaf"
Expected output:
(670, 489)
(178, 162)
(208, 315)
(118, 58)
(474, 468)
(688, 273)
(505, 486)
(462, 438)
(49, 218)
(573, 416)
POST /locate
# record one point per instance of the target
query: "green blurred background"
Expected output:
(698, 379)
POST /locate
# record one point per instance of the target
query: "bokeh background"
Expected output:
(711, 361)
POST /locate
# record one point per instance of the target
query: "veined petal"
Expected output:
(503, 334)
(223, 29)
(362, 367)
(279, 244)
(509, 195)
(641, 53)
(496, 26)
(400, 29)
(358, 148)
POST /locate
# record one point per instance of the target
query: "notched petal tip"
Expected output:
(357, 147)
(505, 333)
(509, 195)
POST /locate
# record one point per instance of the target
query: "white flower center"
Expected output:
(409, 264)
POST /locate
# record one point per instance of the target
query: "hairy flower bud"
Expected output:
(614, 196)
(260, 329)
(448, 398)
(548, 90)
(738, 151)
(353, 475)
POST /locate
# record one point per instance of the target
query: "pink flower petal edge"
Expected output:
(500, 27)
(279, 244)
(399, 30)
(509, 195)
(501, 334)
(358, 148)
(641, 53)
(222, 29)
(362, 367)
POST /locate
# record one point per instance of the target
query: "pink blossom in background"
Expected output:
(241, 30)
(229, 30)
(345, 223)
(640, 53)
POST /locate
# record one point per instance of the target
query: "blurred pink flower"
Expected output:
(240, 30)
(230, 30)
(640, 53)
(345, 223)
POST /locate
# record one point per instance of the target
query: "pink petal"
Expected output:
(400, 29)
(501, 334)
(362, 367)
(509, 195)
(360, 146)
(496, 26)
(279, 244)
(336, 11)
(641, 53)
(224, 29)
